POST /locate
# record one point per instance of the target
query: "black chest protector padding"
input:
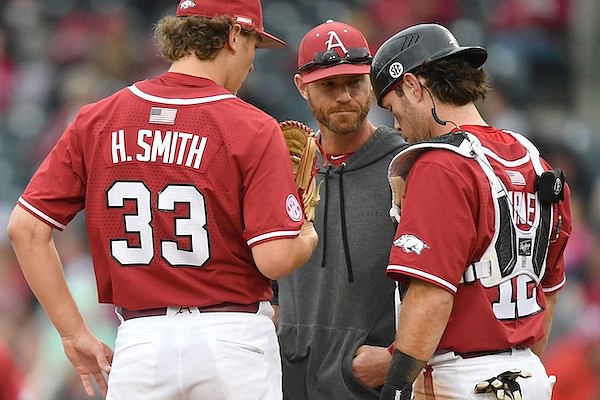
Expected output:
(542, 239)
(507, 241)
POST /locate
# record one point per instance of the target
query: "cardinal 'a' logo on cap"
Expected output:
(335, 41)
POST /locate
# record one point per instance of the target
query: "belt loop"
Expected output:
(118, 313)
(265, 308)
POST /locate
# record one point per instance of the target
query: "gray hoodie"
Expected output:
(341, 298)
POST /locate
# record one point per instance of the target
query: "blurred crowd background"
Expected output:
(56, 55)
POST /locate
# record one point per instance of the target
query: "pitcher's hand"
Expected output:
(89, 356)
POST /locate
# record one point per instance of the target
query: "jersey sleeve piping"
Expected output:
(272, 235)
(422, 275)
(51, 221)
(555, 287)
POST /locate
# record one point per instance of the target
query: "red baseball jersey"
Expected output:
(448, 210)
(179, 179)
(12, 382)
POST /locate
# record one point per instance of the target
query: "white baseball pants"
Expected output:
(450, 377)
(189, 355)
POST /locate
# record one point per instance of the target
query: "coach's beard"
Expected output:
(341, 125)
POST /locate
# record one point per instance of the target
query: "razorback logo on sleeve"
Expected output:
(411, 243)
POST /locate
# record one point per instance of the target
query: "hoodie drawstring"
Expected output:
(343, 220)
(344, 233)
(325, 213)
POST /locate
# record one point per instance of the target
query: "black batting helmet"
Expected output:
(412, 47)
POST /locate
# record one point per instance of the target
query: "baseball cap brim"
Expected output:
(269, 41)
(336, 70)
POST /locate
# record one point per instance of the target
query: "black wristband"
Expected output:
(404, 369)
(389, 392)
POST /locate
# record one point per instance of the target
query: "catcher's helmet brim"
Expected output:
(475, 55)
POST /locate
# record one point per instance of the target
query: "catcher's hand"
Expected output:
(504, 386)
(302, 144)
(398, 184)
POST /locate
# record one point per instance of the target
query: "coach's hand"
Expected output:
(370, 365)
(89, 356)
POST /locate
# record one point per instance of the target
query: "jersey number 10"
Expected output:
(518, 300)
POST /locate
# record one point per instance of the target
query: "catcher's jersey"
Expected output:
(458, 226)
(179, 178)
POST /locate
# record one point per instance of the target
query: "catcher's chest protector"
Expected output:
(512, 251)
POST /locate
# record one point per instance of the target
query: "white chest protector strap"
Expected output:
(512, 251)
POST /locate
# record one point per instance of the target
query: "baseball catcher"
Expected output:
(302, 144)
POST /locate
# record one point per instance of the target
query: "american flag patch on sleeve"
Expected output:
(160, 115)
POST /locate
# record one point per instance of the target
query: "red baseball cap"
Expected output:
(332, 49)
(244, 12)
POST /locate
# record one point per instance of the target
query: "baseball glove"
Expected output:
(302, 145)
(504, 386)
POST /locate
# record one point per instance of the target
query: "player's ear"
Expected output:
(233, 37)
(301, 86)
(412, 85)
(411, 82)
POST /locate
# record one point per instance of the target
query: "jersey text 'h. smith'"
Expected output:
(169, 147)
